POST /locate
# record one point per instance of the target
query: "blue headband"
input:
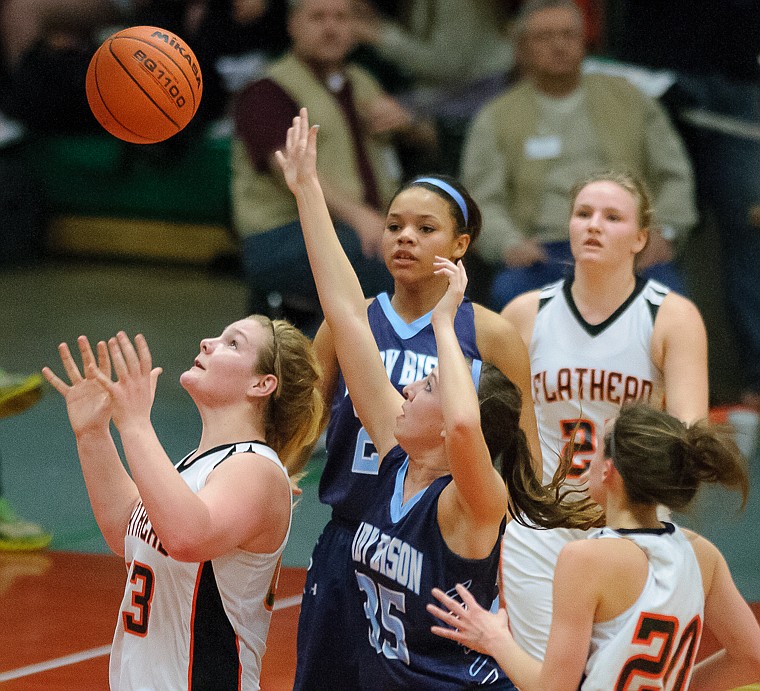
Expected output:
(458, 198)
(477, 366)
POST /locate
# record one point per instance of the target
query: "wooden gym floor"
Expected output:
(59, 610)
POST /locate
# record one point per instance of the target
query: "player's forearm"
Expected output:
(521, 668)
(112, 492)
(178, 515)
(340, 293)
(722, 671)
(459, 400)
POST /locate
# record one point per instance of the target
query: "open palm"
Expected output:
(298, 160)
(87, 402)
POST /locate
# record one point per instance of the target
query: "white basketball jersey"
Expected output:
(193, 625)
(581, 374)
(653, 644)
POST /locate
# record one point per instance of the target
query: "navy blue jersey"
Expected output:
(399, 555)
(409, 353)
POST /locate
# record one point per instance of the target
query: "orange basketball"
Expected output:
(144, 84)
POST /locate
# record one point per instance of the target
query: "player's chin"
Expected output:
(399, 429)
(188, 377)
(410, 272)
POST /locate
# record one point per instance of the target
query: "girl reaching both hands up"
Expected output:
(202, 539)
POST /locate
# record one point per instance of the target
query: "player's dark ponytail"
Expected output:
(663, 461)
(500, 408)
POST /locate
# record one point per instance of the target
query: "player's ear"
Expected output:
(461, 244)
(608, 469)
(264, 386)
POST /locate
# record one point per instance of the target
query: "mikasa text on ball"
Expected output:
(144, 84)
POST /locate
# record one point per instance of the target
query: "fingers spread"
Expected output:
(143, 354)
(451, 634)
(104, 361)
(117, 358)
(88, 358)
(128, 352)
(467, 597)
(59, 385)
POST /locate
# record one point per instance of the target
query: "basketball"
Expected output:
(144, 84)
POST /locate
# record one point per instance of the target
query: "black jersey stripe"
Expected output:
(214, 649)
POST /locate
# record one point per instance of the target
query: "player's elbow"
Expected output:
(753, 664)
(463, 426)
(745, 662)
(184, 548)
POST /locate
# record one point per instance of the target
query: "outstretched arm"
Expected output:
(376, 400)
(576, 595)
(478, 496)
(112, 493)
(478, 629)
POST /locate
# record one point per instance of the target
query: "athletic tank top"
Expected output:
(653, 644)
(193, 625)
(409, 353)
(399, 555)
(583, 373)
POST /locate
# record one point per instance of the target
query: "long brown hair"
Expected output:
(545, 507)
(294, 414)
(664, 461)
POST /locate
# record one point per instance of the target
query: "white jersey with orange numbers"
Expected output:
(653, 644)
(581, 374)
(193, 625)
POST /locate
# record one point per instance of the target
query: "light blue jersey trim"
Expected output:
(477, 366)
(403, 329)
(399, 509)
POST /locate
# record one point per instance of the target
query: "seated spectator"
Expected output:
(45, 88)
(525, 149)
(452, 57)
(232, 39)
(422, 45)
(357, 160)
(24, 22)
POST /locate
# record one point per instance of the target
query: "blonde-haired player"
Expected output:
(202, 539)
(597, 339)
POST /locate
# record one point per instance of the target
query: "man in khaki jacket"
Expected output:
(357, 161)
(527, 148)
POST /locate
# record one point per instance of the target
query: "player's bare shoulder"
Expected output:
(708, 555)
(521, 312)
(492, 329)
(678, 321)
(679, 310)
